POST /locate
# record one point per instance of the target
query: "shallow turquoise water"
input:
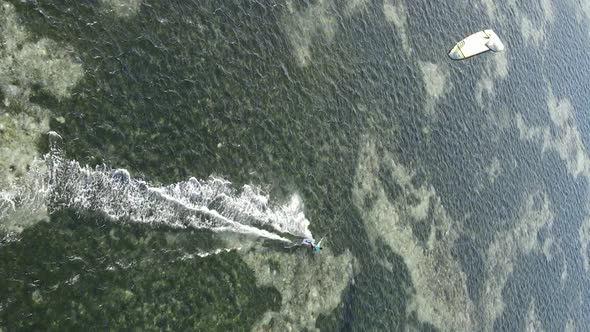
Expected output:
(300, 98)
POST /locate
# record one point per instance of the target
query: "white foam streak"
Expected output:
(211, 253)
(232, 225)
(56, 183)
(204, 204)
(23, 203)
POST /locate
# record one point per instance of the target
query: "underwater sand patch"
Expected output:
(434, 78)
(122, 8)
(436, 84)
(566, 141)
(493, 72)
(310, 285)
(533, 324)
(493, 170)
(27, 68)
(584, 236)
(503, 253)
(317, 20)
(440, 292)
(531, 31)
(395, 12)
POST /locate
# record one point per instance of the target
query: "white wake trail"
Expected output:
(212, 204)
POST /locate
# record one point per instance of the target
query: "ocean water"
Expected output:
(159, 160)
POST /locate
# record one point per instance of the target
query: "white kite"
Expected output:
(477, 43)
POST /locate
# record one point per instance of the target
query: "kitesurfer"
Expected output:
(316, 248)
(311, 243)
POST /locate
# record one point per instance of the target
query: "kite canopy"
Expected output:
(477, 43)
(495, 44)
